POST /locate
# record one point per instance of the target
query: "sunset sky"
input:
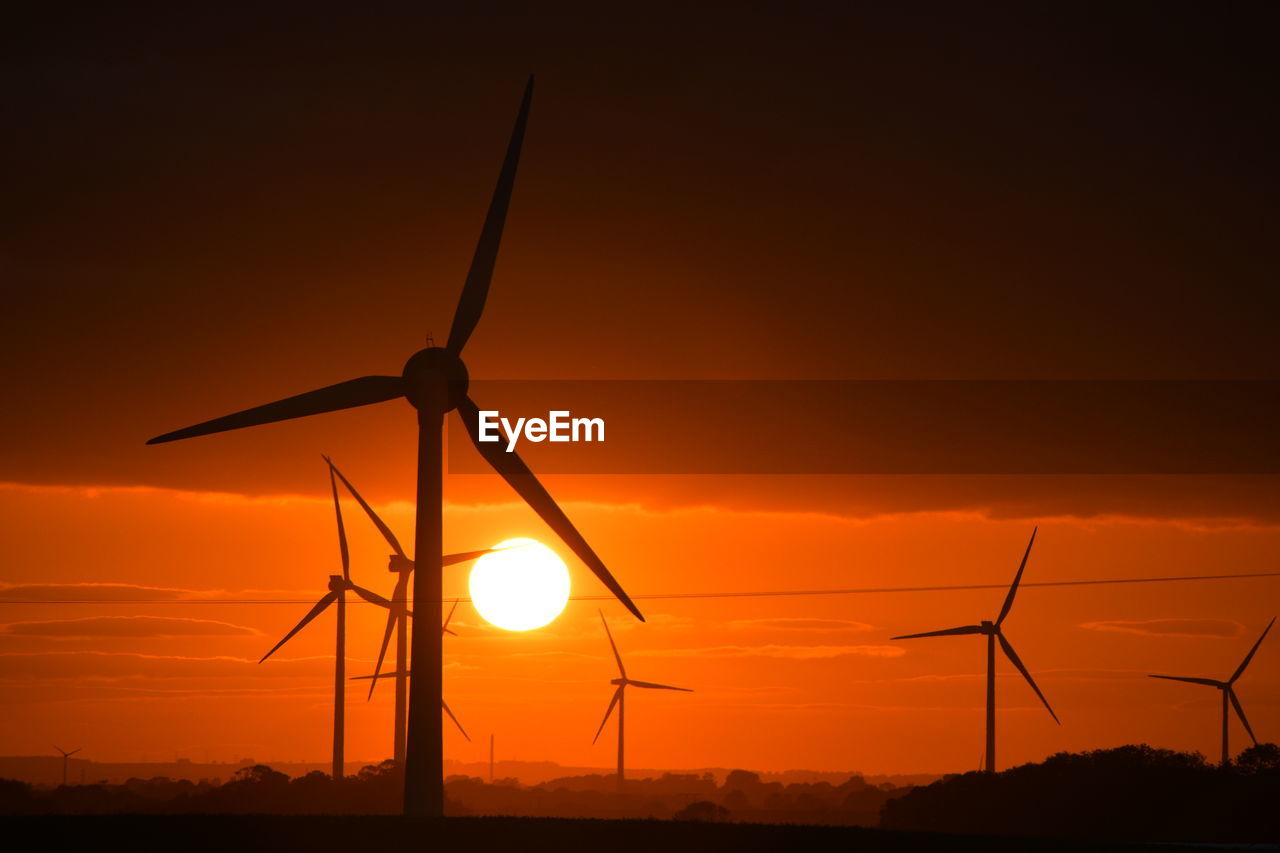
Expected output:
(210, 212)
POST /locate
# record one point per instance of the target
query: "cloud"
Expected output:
(62, 592)
(1169, 627)
(127, 626)
(106, 591)
(89, 666)
(799, 624)
(778, 652)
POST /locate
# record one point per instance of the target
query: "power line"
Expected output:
(679, 595)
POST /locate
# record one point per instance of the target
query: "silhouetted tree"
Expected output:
(704, 811)
(1132, 792)
(1260, 758)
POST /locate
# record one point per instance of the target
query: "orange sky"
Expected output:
(781, 682)
(212, 215)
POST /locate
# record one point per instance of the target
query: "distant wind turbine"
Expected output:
(337, 594)
(434, 381)
(1228, 694)
(398, 617)
(403, 674)
(993, 632)
(619, 699)
(65, 756)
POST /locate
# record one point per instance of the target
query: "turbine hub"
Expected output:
(435, 380)
(988, 627)
(621, 682)
(336, 583)
(396, 563)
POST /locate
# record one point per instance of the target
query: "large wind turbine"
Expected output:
(993, 632)
(337, 594)
(1228, 694)
(619, 698)
(65, 758)
(398, 617)
(402, 675)
(434, 381)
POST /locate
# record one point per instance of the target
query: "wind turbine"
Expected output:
(337, 594)
(65, 756)
(402, 675)
(398, 616)
(619, 698)
(993, 632)
(1228, 693)
(434, 381)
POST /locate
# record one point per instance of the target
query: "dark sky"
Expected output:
(212, 208)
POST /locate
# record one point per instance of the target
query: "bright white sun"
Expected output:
(522, 587)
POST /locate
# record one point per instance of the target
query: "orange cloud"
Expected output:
(777, 651)
(1169, 627)
(89, 666)
(800, 624)
(94, 591)
(127, 626)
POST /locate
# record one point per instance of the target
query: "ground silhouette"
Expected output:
(1128, 794)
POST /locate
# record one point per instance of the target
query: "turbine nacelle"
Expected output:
(989, 627)
(337, 583)
(399, 564)
(435, 380)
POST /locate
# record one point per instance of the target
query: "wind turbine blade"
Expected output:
(518, 475)
(1208, 682)
(1013, 589)
(1235, 702)
(449, 618)
(617, 694)
(373, 516)
(342, 528)
(78, 748)
(454, 559)
(652, 686)
(345, 395)
(1013, 657)
(946, 632)
(382, 652)
(371, 597)
(622, 670)
(476, 289)
(313, 613)
(383, 675)
(1240, 669)
(445, 705)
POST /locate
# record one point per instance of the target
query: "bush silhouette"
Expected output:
(703, 810)
(1129, 793)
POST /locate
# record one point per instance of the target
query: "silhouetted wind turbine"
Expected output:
(619, 698)
(434, 381)
(402, 675)
(1228, 694)
(398, 616)
(993, 633)
(337, 594)
(65, 757)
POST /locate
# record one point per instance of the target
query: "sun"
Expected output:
(521, 587)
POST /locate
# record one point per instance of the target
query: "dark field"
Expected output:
(237, 833)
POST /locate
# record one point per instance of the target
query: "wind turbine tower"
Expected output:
(1229, 698)
(435, 382)
(994, 633)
